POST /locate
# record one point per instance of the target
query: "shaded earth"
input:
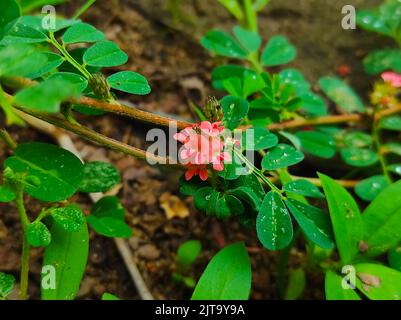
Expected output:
(164, 47)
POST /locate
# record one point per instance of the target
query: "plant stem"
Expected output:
(67, 56)
(17, 82)
(118, 109)
(7, 107)
(6, 137)
(94, 136)
(318, 183)
(19, 202)
(283, 263)
(257, 172)
(83, 9)
(251, 16)
(382, 157)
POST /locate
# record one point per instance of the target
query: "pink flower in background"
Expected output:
(203, 145)
(393, 78)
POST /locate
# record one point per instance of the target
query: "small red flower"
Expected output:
(393, 78)
(203, 145)
(343, 70)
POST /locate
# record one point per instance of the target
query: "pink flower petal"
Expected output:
(393, 78)
(203, 174)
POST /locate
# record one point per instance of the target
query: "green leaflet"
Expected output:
(76, 80)
(378, 282)
(313, 222)
(391, 123)
(47, 95)
(281, 156)
(394, 258)
(258, 138)
(381, 221)
(38, 235)
(317, 143)
(227, 276)
(58, 171)
(382, 60)
(278, 51)
(69, 218)
(82, 32)
(105, 54)
(273, 224)
(10, 12)
(369, 188)
(334, 289)
(222, 43)
(68, 254)
(7, 282)
(107, 218)
(128, 81)
(357, 157)
(345, 218)
(235, 110)
(342, 94)
(109, 297)
(6, 194)
(187, 253)
(249, 40)
(303, 188)
(99, 177)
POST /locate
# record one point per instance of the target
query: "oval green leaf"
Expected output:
(227, 276)
(258, 138)
(345, 218)
(38, 235)
(59, 171)
(357, 157)
(304, 188)
(69, 218)
(273, 224)
(369, 188)
(317, 143)
(131, 82)
(342, 94)
(278, 51)
(281, 156)
(82, 32)
(381, 221)
(223, 44)
(68, 255)
(378, 282)
(105, 54)
(313, 222)
(99, 177)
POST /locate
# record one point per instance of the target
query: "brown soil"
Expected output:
(167, 52)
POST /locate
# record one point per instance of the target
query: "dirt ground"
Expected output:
(165, 49)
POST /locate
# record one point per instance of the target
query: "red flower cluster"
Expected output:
(203, 145)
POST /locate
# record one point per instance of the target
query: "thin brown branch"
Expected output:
(346, 118)
(165, 121)
(116, 108)
(318, 183)
(96, 137)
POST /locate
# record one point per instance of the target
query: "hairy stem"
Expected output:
(94, 136)
(145, 116)
(24, 281)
